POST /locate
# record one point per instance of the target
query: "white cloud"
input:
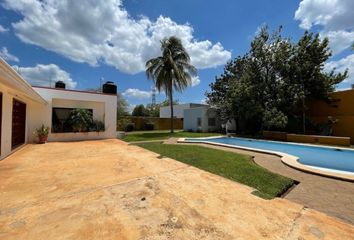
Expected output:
(343, 64)
(335, 16)
(195, 81)
(136, 93)
(3, 29)
(45, 75)
(339, 40)
(107, 35)
(4, 53)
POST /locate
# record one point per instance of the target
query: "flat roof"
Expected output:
(72, 90)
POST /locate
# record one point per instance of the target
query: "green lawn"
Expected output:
(237, 167)
(158, 135)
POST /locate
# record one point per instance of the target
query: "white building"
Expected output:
(203, 119)
(165, 112)
(24, 108)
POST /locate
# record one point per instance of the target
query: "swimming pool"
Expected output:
(325, 158)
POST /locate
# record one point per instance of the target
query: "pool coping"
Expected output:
(287, 159)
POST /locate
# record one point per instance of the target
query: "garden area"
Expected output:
(162, 135)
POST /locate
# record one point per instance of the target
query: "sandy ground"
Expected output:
(110, 190)
(332, 196)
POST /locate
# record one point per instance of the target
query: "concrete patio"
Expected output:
(110, 190)
(332, 196)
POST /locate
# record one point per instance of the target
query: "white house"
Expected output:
(165, 112)
(24, 108)
(204, 119)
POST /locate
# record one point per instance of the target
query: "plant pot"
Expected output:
(42, 139)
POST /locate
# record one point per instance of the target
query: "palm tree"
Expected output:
(172, 70)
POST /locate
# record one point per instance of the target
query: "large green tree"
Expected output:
(269, 85)
(122, 107)
(140, 111)
(172, 70)
(310, 55)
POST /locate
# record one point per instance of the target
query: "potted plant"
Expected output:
(42, 134)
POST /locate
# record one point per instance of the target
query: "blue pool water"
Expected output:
(323, 157)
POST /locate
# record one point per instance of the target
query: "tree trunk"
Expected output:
(171, 106)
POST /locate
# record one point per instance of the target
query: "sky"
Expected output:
(87, 42)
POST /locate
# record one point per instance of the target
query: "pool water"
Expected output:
(323, 157)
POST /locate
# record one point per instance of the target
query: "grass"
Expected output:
(237, 167)
(158, 135)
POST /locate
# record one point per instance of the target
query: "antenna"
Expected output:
(153, 95)
(101, 80)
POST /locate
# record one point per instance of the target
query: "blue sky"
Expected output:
(82, 42)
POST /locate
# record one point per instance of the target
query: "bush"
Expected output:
(129, 127)
(149, 126)
(80, 120)
(97, 126)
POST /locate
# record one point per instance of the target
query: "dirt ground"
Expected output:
(110, 190)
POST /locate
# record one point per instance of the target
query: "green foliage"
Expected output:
(42, 131)
(122, 107)
(167, 103)
(140, 111)
(172, 70)
(97, 126)
(80, 120)
(161, 135)
(153, 110)
(129, 127)
(233, 166)
(271, 83)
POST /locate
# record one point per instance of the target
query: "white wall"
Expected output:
(104, 108)
(191, 115)
(178, 109)
(190, 121)
(8, 94)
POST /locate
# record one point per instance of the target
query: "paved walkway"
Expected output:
(331, 196)
(112, 190)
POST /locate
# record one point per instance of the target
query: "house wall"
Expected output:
(159, 123)
(8, 94)
(191, 115)
(104, 108)
(178, 109)
(342, 109)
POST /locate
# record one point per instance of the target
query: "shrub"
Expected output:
(97, 126)
(149, 126)
(129, 127)
(80, 120)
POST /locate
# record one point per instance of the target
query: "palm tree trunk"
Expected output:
(171, 106)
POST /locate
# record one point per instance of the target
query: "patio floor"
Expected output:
(110, 190)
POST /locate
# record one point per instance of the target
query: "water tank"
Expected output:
(109, 87)
(60, 84)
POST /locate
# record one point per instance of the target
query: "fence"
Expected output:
(331, 140)
(141, 122)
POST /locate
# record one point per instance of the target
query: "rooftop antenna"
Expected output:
(101, 80)
(153, 95)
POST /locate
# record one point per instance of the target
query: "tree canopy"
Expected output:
(268, 86)
(140, 111)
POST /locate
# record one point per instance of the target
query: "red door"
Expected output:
(18, 123)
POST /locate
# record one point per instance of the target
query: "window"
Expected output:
(60, 117)
(199, 122)
(211, 122)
